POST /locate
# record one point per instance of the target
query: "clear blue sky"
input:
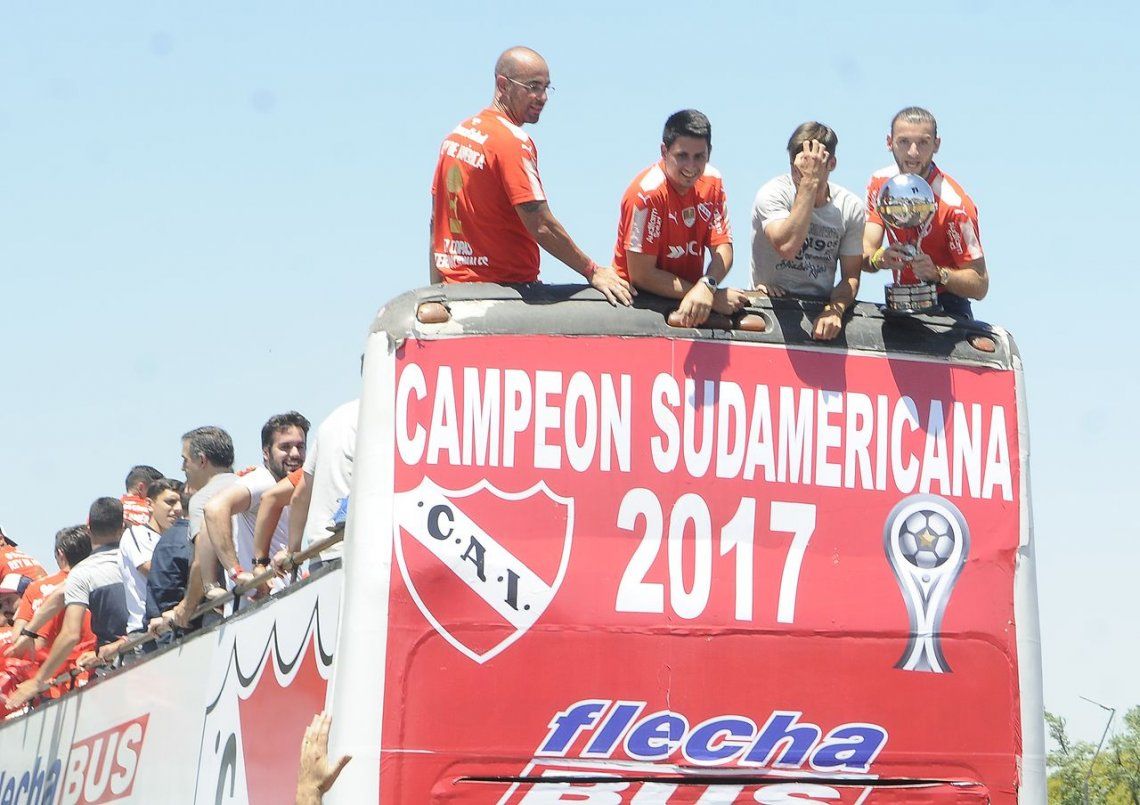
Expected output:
(202, 205)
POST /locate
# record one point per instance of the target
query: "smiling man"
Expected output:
(672, 213)
(489, 210)
(950, 254)
(232, 515)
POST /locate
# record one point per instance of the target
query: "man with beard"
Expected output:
(489, 210)
(950, 253)
(232, 515)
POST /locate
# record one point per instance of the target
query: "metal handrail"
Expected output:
(295, 558)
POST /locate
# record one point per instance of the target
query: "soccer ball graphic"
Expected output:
(926, 539)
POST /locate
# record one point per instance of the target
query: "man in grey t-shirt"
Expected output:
(208, 461)
(802, 225)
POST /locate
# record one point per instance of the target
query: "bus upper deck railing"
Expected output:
(128, 647)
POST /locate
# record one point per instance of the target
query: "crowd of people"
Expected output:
(490, 215)
(146, 561)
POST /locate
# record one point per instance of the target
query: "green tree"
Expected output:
(1115, 774)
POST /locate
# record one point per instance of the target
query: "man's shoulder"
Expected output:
(845, 200)
(712, 173)
(949, 191)
(491, 129)
(45, 585)
(142, 536)
(100, 557)
(882, 174)
(776, 187)
(175, 541)
(215, 485)
(258, 480)
(647, 185)
(343, 416)
(82, 573)
(710, 183)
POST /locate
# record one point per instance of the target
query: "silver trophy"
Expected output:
(907, 205)
(926, 540)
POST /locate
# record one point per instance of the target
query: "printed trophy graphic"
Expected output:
(907, 205)
(926, 540)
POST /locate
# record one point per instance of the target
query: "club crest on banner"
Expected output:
(481, 564)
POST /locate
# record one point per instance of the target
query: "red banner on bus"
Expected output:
(699, 558)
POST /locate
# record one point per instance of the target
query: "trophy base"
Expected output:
(908, 300)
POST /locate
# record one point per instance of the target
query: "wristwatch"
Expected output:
(943, 275)
(709, 282)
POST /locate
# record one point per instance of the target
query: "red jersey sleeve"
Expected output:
(646, 213)
(516, 159)
(873, 188)
(962, 239)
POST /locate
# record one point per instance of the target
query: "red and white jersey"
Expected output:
(13, 560)
(34, 597)
(487, 166)
(954, 238)
(656, 219)
(136, 510)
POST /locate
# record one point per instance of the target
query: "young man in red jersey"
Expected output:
(672, 213)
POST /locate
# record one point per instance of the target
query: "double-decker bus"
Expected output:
(595, 558)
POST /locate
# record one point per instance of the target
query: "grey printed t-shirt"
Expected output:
(836, 229)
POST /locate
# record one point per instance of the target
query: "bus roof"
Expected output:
(442, 311)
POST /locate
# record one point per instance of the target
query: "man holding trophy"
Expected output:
(931, 246)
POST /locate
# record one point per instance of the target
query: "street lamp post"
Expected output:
(1111, 713)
